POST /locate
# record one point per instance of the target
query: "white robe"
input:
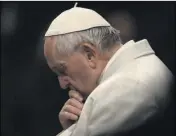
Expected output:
(133, 87)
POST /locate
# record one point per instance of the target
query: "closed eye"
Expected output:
(59, 72)
(60, 69)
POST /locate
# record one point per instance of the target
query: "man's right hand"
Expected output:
(71, 110)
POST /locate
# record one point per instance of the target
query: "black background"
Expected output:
(31, 97)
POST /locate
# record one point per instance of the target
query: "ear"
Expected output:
(90, 53)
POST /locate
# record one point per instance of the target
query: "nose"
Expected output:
(64, 81)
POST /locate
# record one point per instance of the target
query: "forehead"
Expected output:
(49, 46)
(50, 52)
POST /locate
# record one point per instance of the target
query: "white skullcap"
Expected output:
(75, 19)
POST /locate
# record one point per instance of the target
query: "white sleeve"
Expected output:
(126, 103)
(67, 132)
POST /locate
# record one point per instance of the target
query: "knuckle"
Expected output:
(65, 114)
(67, 107)
(61, 115)
(70, 101)
(69, 116)
(72, 116)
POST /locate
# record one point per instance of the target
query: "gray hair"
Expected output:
(103, 38)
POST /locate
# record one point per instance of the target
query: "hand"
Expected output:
(71, 110)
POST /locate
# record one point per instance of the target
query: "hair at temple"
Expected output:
(103, 38)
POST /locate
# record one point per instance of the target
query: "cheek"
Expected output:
(79, 71)
(79, 75)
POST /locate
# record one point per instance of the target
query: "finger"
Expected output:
(75, 103)
(76, 95)
(71, 109)
(69, 116)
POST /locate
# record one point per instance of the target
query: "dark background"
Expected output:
(31, 97)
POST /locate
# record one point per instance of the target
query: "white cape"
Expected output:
(133, 87)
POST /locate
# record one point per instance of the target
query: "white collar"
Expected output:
(126, 52)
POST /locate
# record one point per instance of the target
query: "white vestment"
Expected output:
(133, 87)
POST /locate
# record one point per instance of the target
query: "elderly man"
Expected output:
(123, 86)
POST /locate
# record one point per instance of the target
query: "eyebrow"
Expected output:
(61, 63)
(59, 68)
(58, 71)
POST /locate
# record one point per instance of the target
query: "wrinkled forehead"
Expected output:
(51, 53)
(49, 47)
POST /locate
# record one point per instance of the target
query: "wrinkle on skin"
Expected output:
(49, 48)
(50, 52)
(79, 73)
(52, 56)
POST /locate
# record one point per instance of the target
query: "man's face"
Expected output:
(78, 71)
